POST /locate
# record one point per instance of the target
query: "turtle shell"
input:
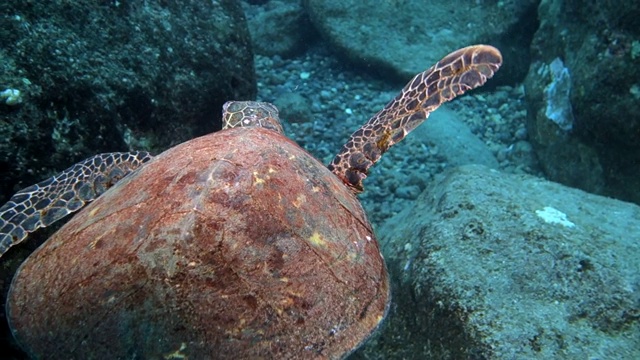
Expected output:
(237, 244)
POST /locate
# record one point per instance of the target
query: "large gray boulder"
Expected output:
(583, 94)
(112, 76)
(397, 38)
(495, 266)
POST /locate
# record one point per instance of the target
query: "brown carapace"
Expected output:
(456, 73)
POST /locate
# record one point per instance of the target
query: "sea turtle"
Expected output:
(237, 244)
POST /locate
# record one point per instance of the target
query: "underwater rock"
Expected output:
(563, 156)
(557, 94)
(495, 266)
(100, 76)
(280, 28)
(600, 151)
(294, 108)
(396, 38)
(454, 140)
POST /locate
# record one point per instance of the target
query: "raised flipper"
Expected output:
(46, 202)
(456, 73)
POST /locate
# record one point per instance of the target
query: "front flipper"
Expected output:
(456, 73)
(46, 202)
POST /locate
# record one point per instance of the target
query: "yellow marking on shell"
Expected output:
(94, 211)
(289, 301)
(178, 353)
(284, 304)
(316, 189)
(271, 170)
(300, 199)
(317, 240)
(258, 179)
(94, 243)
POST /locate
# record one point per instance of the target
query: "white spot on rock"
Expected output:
(554, 216)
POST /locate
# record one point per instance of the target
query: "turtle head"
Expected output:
(456, 73)
(250, 114)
